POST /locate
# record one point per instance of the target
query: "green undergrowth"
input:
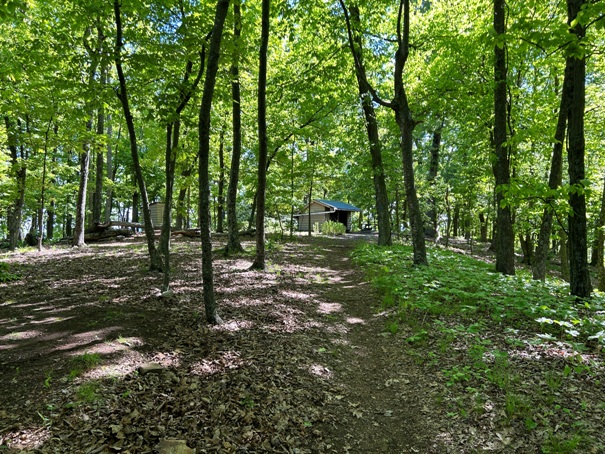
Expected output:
(5, 273)
(522, 354)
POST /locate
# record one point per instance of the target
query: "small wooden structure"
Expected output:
(156, 210)
(325, 210)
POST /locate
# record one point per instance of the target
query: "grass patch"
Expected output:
(83, 363)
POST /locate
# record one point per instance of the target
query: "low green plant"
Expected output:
(333, 228)
(458, 374)
(88, 392)
(517, 406)
(83, 362)
(6, 275)
(559, 444)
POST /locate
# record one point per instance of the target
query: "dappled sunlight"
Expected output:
(27, 439)
(18, 336)
(234, 325)
(329, 308)
(321, 371)
(297, 295)
(226, 361)
(355, 321)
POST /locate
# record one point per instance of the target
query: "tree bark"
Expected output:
(579, 274)
(233, 243)
(109, 171)
(406, 123)
(18, 169)
(220, 210)
(259, 259)
(78, 238)
(97, 203)
(505, 237)
(155, 258)
(173, 129)
(555, 179)
(371, 123)
(222, 7)
(431, 229)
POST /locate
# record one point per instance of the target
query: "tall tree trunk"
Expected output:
(173, 129)
(78, 238)
(365, 96)
(406, 123)
(110, 170)
(505, 237)
(222, 7)
(600, 244)
(580, 284)
(220, 211)
(431, 230)
(259, 259)
(97, 200)
(555, 179)
(155, 258)
(18, 169)
(43, 189)
(233, 243)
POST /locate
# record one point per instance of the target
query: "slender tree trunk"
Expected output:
(505, 238)
(220, 211)
(97, 203)
(292, 191)
(555, 179)
(19, 170)
(233, 243)
(43, 189)
(155, 258)
(564, 256)
(578, 259)
(173, 130)
(110, 171)
(78, 238)
(406, 123)
(600, 243)
(365, 96)
(312, 177)
(259, 259)
(222, 7)
(431, 230)
(172, 139)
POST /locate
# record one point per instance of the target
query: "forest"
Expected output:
(176, 131)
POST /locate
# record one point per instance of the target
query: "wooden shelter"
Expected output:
(156, 210)
(325, 210)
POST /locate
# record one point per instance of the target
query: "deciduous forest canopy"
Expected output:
(437, 118)
(475, 125)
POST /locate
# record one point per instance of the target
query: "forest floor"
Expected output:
(93, 360)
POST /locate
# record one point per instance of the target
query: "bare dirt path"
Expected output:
(386, 401)
(302, 364)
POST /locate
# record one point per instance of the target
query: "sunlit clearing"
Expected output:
(81, 339)
(26, 439)
(296, 295)
(321, 371)
(226, 361)
(329, 308)
(20, 335)
(234, 325)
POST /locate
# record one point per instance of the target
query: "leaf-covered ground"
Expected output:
(305, 362)
(301, 364)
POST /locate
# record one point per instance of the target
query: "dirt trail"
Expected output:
(385, 405)
(302, 365)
